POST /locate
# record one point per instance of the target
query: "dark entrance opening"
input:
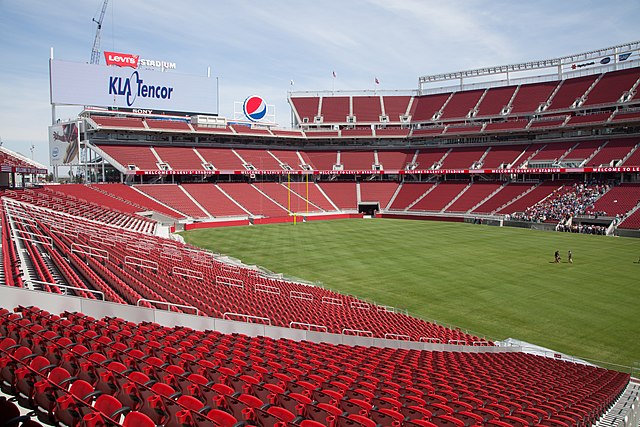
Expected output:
(368, 208)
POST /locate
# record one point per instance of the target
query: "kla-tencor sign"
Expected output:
(73, 83)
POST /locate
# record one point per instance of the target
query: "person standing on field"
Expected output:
(570, 257)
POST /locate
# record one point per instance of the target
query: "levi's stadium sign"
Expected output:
(121, 59)
(129, 60)
(125, 86)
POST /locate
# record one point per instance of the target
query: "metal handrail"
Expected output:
(301, 295)
(397, 337)
(430, 340)
(309, 325)
(261, 287)
(66, 287)
(246, 316)
(194, 274)
(360, 305)
(357, 331)
(168, 304)
(331, 300)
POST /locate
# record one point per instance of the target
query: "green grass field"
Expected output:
(496, 282)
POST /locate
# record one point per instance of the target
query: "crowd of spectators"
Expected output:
(565, 203)
(582, 229)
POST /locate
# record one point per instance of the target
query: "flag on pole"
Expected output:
(377, 81)
(333, 73)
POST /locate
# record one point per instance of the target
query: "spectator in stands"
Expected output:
(564, 204)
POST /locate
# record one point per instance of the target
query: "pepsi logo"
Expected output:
(255, 108)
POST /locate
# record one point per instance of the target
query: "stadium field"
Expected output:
(495, 282)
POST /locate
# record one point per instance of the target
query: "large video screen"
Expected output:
(103, 86)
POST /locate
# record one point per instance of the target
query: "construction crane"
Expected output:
(95, 52)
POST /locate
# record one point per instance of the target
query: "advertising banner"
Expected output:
(64, 144)
(126, 87)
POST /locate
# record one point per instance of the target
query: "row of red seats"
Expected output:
(177, 376)
(63, 202)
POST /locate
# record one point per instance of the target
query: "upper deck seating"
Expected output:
(553, 151)
(571, 91)
(260, 159)
(290, 158)
(463, 157)
(335, 109)
(306, 108)
(425, 107)
(119, 122)
(612, 86)
(357, 160)
(395, 160)
(530, 96)
(495, 100)
(180, 158)
(367, 108)
(429, 158)
(178, 125)
(221, 158)
(462, 104)
(612, 151)
(395, 106)
(502, 155)
(140, 157)
(322, 160)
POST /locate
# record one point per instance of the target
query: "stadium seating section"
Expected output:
(73, 369)
(130, 267)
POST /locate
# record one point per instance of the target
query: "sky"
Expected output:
(259, 47)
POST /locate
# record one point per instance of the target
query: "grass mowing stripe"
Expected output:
(497, 281)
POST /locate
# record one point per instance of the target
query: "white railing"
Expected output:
(88, 250)
(261, 287)
(66, 287)
(431, 340)
(139, 262)
(357, 332)
(360, 305)
(247, 317)
(185, 272)
(301, 295)
(331, 300)
(168, 304)
(229, 281)
(320, 328)
(397, 337)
